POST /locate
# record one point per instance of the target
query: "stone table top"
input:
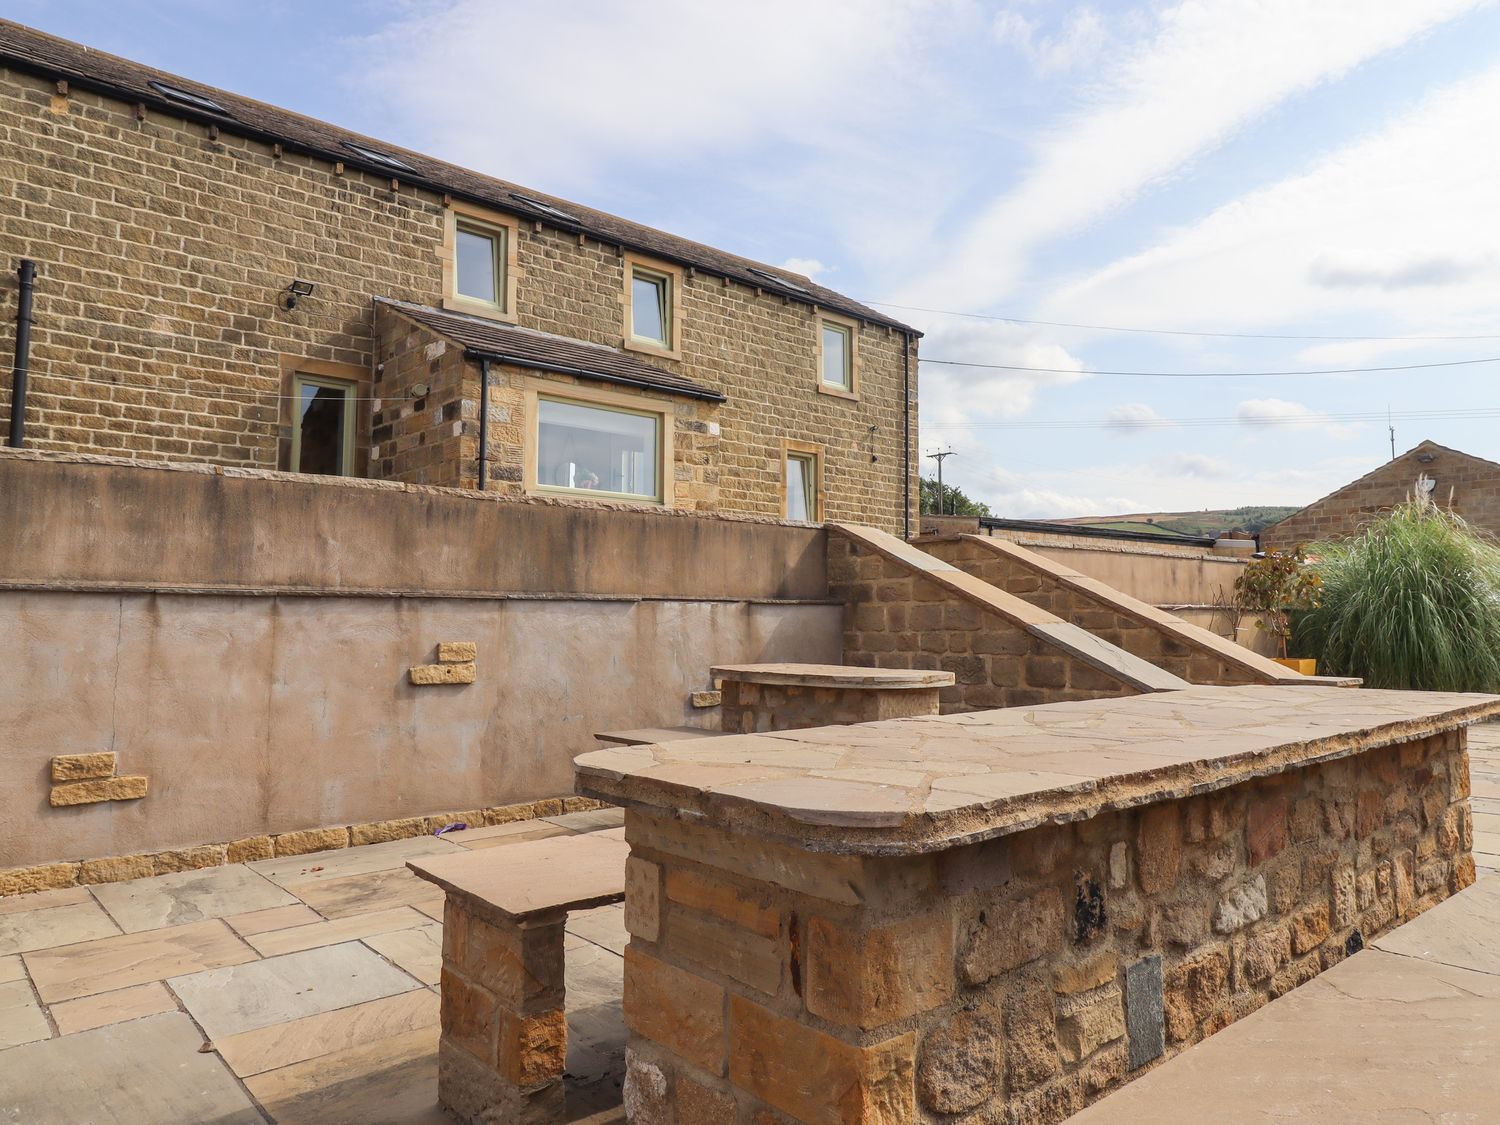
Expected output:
(909, 786)
(841, 676)
(521, 881)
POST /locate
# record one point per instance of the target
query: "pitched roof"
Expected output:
(39, 53)
(541, 351)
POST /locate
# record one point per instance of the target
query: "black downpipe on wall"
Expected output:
(906, 434)
(22, 367)
(484, 422)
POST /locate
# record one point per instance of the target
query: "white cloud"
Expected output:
(952, 394)
(1198, 465)
(807, 267)
(1133, 417)
(1210, 69)
(1280, 413)
(1076, 44)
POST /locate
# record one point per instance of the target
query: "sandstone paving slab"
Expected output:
(1460, 931)
(11, 968)
(591, 821)
(21, 1018)
(375, 890)
(276, 918)
(596, 1022)
(89, 1012)
(332, 932)
(498, 835)
(57, 925)
(603, 925)
(389, 1081)
(1379, 1037)
(390, 855)
(243, 997)
(285, 1044)
(188, 896)
(145, 1072)
(416, 951)
(42, 900)
(110, 963)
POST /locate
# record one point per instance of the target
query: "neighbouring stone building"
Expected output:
(1459, 482)
(222, 281)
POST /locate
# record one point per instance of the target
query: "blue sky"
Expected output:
(1249, 168)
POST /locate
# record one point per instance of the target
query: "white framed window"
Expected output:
(653, 306)
(836, 356)
(802, 484)
(479, 262)
(598, 449)
(323, 412)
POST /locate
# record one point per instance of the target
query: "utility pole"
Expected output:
(1391, 426)
(939, 458)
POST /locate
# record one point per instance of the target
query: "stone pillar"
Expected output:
(504, 1035)
(769, 697)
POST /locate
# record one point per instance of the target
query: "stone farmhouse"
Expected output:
(222, 281)
(1458, 481)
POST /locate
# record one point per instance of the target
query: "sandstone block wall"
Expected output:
(1469, 486)
(160, 333)
(1021, 978)
(895, 618)
(754, 708)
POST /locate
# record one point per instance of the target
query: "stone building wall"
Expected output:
(897, 618)
(1466, 485)
(163, 248)
(1136, 634)
(1021, 978)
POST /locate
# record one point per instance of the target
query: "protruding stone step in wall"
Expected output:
(1006, 915)
(1189, 651)
(905, 608)
(769, 697)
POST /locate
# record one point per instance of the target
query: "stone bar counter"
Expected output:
(1001, 915)
(770, 697)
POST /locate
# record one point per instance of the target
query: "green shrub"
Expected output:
(1413, 602)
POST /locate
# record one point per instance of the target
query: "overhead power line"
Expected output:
(1224, 420)
(1210, 374)
(1163, 331)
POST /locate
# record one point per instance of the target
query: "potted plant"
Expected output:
(1272, 588)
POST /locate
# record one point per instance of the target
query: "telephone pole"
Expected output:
(939, 458)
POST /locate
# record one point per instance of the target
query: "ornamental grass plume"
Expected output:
(1413, 602)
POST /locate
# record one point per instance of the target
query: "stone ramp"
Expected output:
(1408, 1030)
(1164, 639)
(908, 609)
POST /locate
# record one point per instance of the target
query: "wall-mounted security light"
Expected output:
(1426, 458)
(296, 291)
(419, 390)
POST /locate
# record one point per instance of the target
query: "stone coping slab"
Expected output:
(842, 677)
(521, 881)
(647, 736)
(913, 786)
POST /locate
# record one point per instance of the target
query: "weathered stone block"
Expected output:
(1310, 928)
(43, 877)
(1159, 847)
(116, 869)
(249, 849)
(962, 1059)
(706, 699)
(1265, 827)
(815, 1078)
(1088, 1021)
(533, 1049)
(311, 840)
(869, 977)
(1193, 991)
(1241, 906)
(1093, 973)
(1262, 955)
(1031, 1055)
(1007, 934)
(430, 675)
(470, 1017)
(83, 767)
(744, 908)
(457, 652)
(677, 1009)
(645, 1092)
(643, 898)
(93, 792)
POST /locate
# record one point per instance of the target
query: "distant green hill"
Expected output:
(1205, 524)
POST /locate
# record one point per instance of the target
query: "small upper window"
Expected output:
(802, 487)
(197, 101)
(374, 155)
(838, 356)
(651, 307)
(322, 426)
(480, 254)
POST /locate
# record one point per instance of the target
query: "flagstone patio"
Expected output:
(301, 989)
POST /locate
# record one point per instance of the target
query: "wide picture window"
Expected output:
(598, 449)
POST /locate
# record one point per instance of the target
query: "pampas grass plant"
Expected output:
(1412, 602)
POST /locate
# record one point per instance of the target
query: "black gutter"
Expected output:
(1087, 532)
(22, 367)
(603, 377)
(906, 435)
(484, 420)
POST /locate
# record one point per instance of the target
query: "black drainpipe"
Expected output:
(906, 433)
(22, 366)
(484, 421)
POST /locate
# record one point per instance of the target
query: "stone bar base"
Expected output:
(771, 697)
(504, 1034)
(1020, 978)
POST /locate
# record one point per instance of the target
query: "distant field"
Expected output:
(1212, 522)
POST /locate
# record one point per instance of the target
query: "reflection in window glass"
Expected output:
(649, 307)
(801, 486)
(836, 355)
(324, 421)
(478, 265)
(596, 449)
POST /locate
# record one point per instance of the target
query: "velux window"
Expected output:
(802, 487)
(479, 250)
(322, 426)
(837, 360)
(650, 307)
(605, 450)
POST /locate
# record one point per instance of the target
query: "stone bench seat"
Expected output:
(766, 697)
(504, 1033)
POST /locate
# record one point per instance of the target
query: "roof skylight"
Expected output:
(197, 101)
(545, 208)
(776, 279)
(375, 156)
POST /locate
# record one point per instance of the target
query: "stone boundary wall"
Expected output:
(907, 609)
(1021, 978)
(122, 868)
(1185, 650)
